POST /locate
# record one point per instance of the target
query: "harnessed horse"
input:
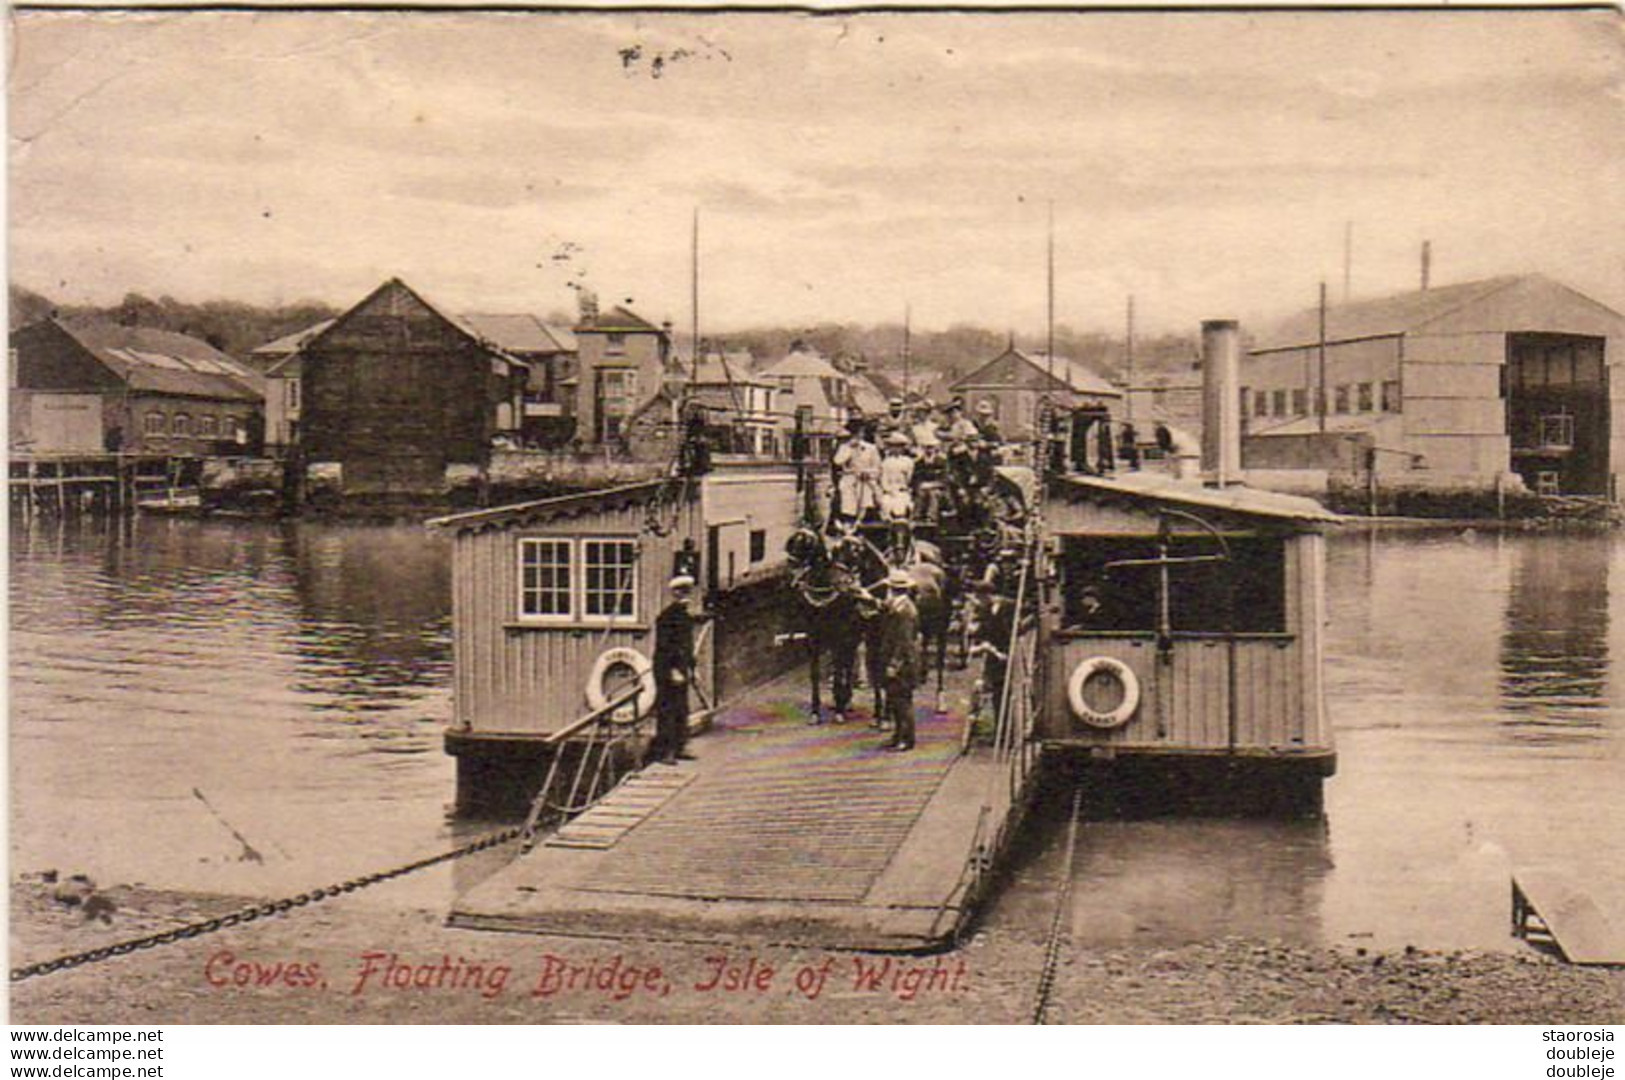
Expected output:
(922, 561)
(835, 613)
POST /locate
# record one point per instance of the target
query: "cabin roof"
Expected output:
(551, 509)
(1162, 488)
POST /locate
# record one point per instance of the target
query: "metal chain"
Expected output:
(1063, 903)
(258, 911)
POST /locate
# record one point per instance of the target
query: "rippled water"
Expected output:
(1475, 685)
(250, 706)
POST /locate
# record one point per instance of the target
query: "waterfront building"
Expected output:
(547, 412)
(1453, 386)
(82, 386)
(400, 399)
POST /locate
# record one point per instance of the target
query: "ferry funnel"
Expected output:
(1221, 402)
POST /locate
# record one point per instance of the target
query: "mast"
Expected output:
(905, 353)
(1128, 361)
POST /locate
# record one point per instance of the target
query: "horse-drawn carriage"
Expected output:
(956, 537)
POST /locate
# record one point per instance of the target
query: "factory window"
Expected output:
(1246, 398)
(1278, 404)
(1244, 594)
(1390, 396)
(1556, 431)
(545, 579)
(758, 545)
(154, 423)
(1300, 403)
(1365, 399)
(181, 425)
(1341, 401)
(1261, 402)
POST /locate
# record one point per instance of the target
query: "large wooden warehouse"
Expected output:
(1460, 385)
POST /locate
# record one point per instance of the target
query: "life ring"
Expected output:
(621, 657)
(1093, 717)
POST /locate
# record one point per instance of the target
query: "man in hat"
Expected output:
(857, 471)
(897, 479)
(894, 422)
(987, 424)
(673, 671)
(900, 648)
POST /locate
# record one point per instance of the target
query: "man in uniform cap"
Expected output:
(900, 648)
(673, 670)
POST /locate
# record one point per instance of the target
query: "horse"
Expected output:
(923, 563)
(836, 613)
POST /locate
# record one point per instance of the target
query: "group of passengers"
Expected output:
(918, 459)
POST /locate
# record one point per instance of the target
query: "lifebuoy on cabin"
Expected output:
(1103, 669)
(614, 672)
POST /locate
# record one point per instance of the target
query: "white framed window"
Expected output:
(155, 423)
(609, 579)
(588, 579)
(545, 579)
(180, 425)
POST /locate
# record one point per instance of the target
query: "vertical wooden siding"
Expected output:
(533, 680)
(1278, 696)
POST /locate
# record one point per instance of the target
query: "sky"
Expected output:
(843, 168)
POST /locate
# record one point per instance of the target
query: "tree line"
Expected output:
(237, 328)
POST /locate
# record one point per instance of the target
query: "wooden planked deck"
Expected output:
(779, 830)
(1549, 905)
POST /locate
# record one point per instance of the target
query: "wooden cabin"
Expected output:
(554, 603)
(1185, 621)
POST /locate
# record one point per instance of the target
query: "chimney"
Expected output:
(1427, 262)
(1221, 404)
(587, 304)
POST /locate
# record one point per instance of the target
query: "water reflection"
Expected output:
(295, 674)
(1554, 645)
(298, 675)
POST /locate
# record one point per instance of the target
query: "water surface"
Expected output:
(257, 707)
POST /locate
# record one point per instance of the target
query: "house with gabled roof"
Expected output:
(90, 386)
(403, 400)
(1460, 384)
(622, 361)
(1016, 381)
(812, 393)
(548, 409)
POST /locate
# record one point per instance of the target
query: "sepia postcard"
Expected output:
(930, 516)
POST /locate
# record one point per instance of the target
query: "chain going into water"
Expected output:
(259, 911)
(1063, 904)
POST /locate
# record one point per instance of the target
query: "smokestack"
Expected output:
(1221, 404)
(1427, 262)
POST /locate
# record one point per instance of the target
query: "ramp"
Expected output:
(779, 831)
(1548, 906)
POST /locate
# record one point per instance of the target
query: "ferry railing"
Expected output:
(590, 757)
(607, 749)
(1014, 751)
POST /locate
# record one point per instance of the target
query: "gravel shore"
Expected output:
(358, 960)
